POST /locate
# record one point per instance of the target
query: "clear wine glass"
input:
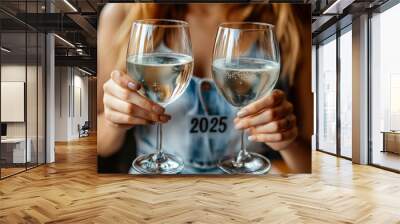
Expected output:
(246, 66)
(159, 57)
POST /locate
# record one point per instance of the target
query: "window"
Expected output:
(314, 90)
(385, 89)
(327, 96)
(332, 106)
(346, 93)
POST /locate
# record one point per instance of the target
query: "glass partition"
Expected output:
(23, 90)
(14, 144)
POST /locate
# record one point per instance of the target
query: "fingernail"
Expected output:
(158, 109)
(155, 117)
(242, 113)
(132, 86)
(164, 118)
(251, 138)
(115, 74)
(238, 125)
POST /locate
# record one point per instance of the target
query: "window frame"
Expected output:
(333, 37)
(27, 29)
(378, 10)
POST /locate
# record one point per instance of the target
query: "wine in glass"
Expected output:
(246, 66)
(159, 57)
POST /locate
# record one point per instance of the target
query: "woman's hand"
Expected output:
(124, 107)
(269, 120)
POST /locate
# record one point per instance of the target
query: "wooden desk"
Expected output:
(16, 147)
(391, 141)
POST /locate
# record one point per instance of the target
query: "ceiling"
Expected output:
(76, 22)
(72, 20)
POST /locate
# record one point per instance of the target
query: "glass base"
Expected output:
(254, 163)
(153, 164)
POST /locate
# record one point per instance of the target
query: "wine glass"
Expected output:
(159, 57)
(246, 66)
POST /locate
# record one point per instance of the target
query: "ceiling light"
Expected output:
(5, 50)
(84, 71)
(65, 41)
(70, 5)
(337, 7)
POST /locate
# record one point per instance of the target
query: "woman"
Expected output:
(125, 116)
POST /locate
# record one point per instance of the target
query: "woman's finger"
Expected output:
(275, 137)
(268, 101)
(265, 117)
(275, 126)
(120, 126)
(134, 97)
(132, 109)
(124, 80)
(123, 119)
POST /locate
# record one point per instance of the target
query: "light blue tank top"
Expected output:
(201, 130)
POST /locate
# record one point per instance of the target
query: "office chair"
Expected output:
(84, 130)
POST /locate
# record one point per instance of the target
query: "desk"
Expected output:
(391, 141)
(13, 150)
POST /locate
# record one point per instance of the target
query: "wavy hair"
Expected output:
(281, 15)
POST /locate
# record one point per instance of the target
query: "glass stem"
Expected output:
(243, 143)
(243, 154)
(159, 152)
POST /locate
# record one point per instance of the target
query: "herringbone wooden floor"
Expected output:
(70, 191)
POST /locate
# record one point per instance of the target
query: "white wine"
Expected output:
(163, 76)
(243, 80)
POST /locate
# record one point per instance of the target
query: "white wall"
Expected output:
(33, 127)
(61, 103)
(82, 83)
(12, 73)
(71, 102)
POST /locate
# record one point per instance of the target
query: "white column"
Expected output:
(50, 98)
(360, 90)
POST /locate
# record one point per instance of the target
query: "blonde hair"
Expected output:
(281, 15)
